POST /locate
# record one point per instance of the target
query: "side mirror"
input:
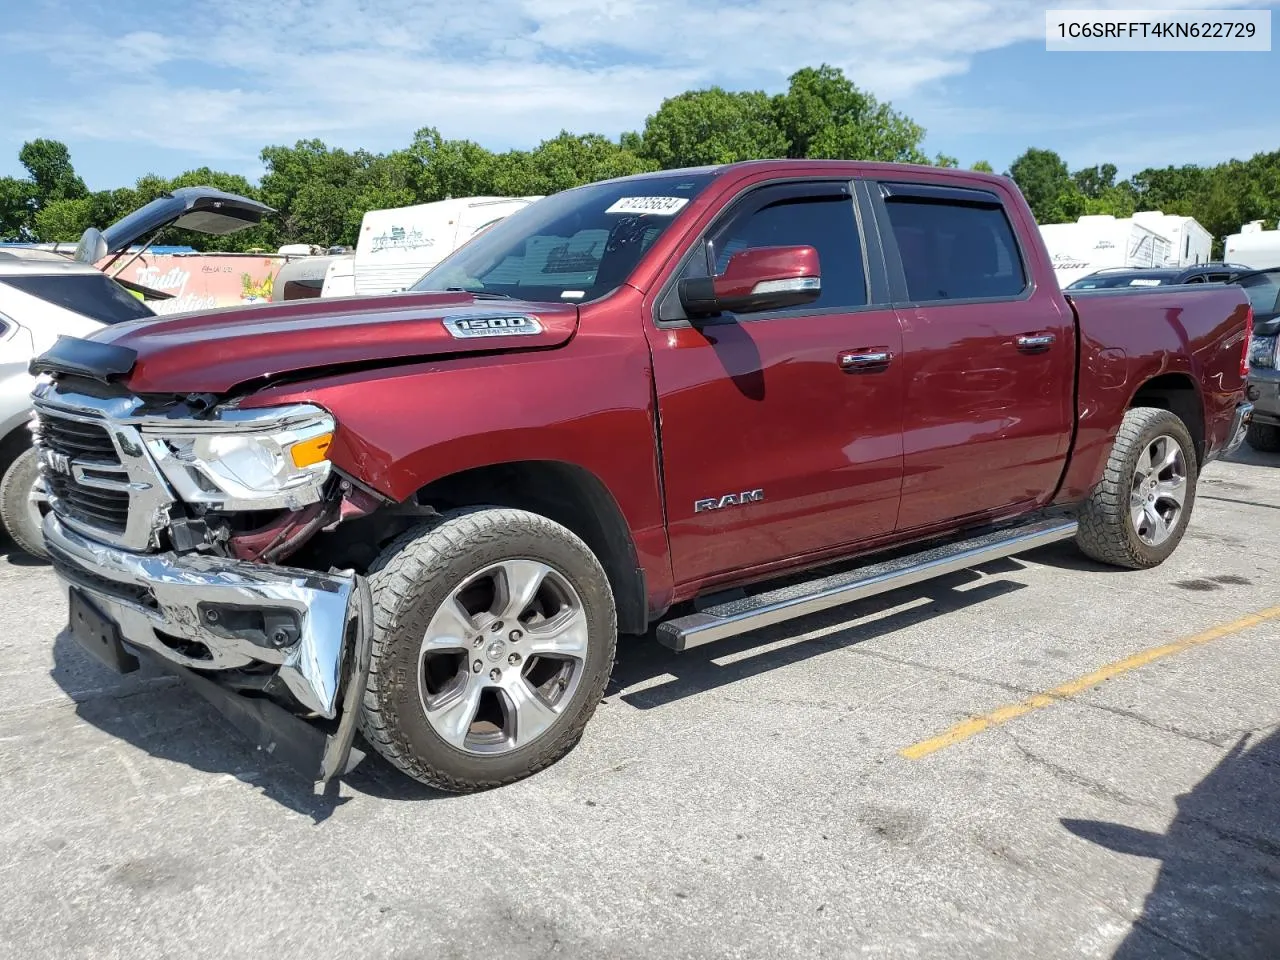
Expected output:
(763, 278)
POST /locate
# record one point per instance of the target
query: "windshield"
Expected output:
(96, 296)
(572, 246)
(1263, 290)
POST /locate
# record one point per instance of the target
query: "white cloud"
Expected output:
(504, 72)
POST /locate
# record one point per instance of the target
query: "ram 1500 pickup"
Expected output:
(634, 407)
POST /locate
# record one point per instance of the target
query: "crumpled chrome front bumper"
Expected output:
(199, 614)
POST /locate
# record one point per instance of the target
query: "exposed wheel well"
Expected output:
(1177, 393)
(572, 497)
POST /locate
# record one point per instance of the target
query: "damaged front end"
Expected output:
(167, 527)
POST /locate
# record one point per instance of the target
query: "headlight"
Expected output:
(246, 459)
(1262, 351)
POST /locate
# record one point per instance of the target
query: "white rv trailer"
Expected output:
(1099, 241)
(396, 247)
(1254, 246)
(1190, 243)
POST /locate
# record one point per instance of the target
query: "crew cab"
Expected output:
(684, 404)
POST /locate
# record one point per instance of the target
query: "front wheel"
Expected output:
(22, 505)
(1136, 516)
(494, 638)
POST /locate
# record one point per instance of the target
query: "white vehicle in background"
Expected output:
(40, 300)
(340, 277)
(1190, 243)
(1098, 242)
(397, 247)
(44, 295)
(1255, 246)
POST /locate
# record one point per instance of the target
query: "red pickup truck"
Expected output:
(633, 407)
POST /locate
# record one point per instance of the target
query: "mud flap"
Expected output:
(289, 739)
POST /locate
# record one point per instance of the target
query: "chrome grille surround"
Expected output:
(99, 477)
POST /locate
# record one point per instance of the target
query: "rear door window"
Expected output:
(955, 251)
(95, 296)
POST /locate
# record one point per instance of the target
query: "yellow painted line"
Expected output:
(975, 725)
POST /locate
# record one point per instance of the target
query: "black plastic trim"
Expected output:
(85, 358)
(941, 194)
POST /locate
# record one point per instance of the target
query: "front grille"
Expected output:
(85, 453)
(76, 438)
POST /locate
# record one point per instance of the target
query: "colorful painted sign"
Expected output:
(203, 281)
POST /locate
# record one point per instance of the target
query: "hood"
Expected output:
(214, 351)
(202, 209)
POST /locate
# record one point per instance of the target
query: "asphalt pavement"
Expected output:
(1045, 758)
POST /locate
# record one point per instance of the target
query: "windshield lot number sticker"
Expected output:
(465, 328)
(659, 206)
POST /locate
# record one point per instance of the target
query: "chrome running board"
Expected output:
(732, 617)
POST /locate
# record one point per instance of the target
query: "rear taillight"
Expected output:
(1248, 339)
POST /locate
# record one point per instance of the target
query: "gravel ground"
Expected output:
(746, 799)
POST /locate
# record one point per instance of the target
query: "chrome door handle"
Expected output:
(869, 361)
(1035, 343)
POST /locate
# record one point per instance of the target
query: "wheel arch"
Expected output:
(1180, 395)
(573, 497)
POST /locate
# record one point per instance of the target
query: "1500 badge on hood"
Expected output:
(464, 328)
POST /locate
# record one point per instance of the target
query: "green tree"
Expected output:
(712, 126)
(15, 209)
(64, 219)
(50, 178)
(569, 160)
(314, 190)
(823, 115)
(48, 163)
(1042, 177)
(1093, 182)
(982, 167)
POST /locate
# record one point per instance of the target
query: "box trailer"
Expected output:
(1096, 242)
(1254, 246)
(396, 247)
(1189, 242)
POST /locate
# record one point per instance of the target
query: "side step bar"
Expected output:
(740, 615)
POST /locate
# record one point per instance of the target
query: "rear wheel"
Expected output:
(1136, 516)
(494, 638)
(1264, 437)
(22, 506)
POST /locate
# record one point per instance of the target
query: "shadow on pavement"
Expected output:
(1218, 891)
(694, 671)
(1247, 455)
(177, 724)
(16, 557)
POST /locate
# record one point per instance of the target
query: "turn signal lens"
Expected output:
(308, 453)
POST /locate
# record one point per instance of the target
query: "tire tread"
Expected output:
(411, 560)
(1103, 520)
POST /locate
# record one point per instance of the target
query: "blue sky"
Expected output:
(139, 86)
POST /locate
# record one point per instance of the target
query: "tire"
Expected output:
(1264, 437)
(415, 661)
(20, 521)
(1108, 530)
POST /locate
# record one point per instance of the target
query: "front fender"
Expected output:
(588, 404)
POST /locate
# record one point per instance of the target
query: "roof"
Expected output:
(873, 168)
(11, 265)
